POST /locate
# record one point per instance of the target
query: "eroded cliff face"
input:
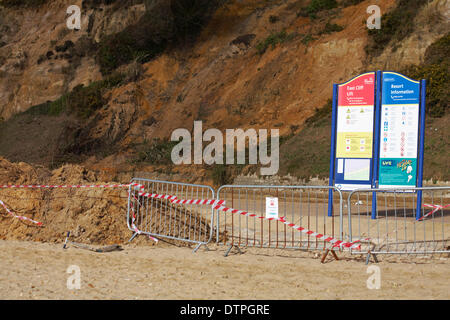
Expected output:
(431, 23)
(35, 65)
(224, 81)
(223, 78)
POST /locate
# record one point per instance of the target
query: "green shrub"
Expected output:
(22, 3)
(221, 175)
(120, 48)
(315, 6)
(156, 152)
(331, 27)
(82, 101)
(348, 3)
(307, 39)
(50, 108)
(272, 40)
(395, 26)
(94, 3)
(438, 86)
(439, 51)
(273, 19)
(85, 100)
(153, 32)
(320, 113)
(435, 70)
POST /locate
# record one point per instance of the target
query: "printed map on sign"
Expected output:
(357, 169)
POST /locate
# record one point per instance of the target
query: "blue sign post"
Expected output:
(423, 93)
(332, 151)
(377, 144)
(377, 138)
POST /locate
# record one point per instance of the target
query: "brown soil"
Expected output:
(40, 138)
(93, 215)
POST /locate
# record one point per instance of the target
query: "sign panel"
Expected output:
(385, 150)
(271, 207)
(399, 131)
(354, 138)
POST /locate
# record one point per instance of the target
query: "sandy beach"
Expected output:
(32, 270)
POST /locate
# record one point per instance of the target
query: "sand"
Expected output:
(33, 264)
(32, 270)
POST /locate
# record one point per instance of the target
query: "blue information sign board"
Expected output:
(354, 132)
(399, 131)
(377, 137)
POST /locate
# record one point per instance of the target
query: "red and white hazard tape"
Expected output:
(6, 186)
(175, 199)
(133, 219)
(335, 242)
(218, 205)
(19, 217)
(436, 208)
(37, 186)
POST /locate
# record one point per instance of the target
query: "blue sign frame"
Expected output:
(375, 161)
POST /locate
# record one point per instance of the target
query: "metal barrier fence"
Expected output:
(162, 218)
(394, 226)
(381, 221)
(305, 206)
(411, 221)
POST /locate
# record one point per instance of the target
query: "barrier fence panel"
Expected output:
(396, 227)
(154, 209)
(303, 211)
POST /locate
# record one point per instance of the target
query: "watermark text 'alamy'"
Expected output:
(235, 139)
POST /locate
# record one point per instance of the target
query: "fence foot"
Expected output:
(368, 257)
(133, 236)
(229, 249)
(198, 247)
(326, 254)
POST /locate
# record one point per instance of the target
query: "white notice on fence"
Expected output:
(271, 207)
